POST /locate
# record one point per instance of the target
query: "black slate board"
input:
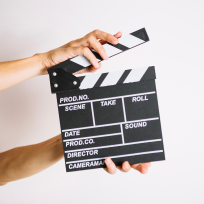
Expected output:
(119, 121)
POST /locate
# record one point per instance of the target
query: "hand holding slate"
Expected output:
(111, 168)
(22, 159)
(14, 72)
(82, 46)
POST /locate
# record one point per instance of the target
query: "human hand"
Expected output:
(112, 168)
(82, 46)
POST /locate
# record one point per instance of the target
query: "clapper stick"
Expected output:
(61, 77)
(112, 114)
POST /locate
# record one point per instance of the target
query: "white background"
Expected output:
(28, 111)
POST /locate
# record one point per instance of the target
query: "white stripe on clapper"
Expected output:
(130, 41)
(89, 81)
(110, 50)
(81, 60)
(135, 75)
(112, 78)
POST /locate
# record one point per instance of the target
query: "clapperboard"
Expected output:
(111, 114)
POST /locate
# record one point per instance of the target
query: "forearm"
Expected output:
(14, 72)
(26, 161)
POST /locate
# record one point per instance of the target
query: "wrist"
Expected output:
(40, 59)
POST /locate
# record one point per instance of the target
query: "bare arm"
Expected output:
(22, 162)
(14, 72)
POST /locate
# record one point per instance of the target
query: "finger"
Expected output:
(103, 36)
(117, 35)
(82, 42)
(111, 168)
(91, 57)
(92, 68)
(125, 167)
(85, 51)
(140, 167)
(96, 45)
(143, 169)
(85, 41)
(88, 69)
(147, 164)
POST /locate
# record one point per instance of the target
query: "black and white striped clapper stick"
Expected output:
(125, 43)
(117, 77)
(58, 73)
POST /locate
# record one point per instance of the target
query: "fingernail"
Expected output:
(116, 39)
(108, 160)
(126, 165)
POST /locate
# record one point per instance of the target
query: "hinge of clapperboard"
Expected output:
(61, 75)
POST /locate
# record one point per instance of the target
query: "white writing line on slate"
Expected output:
(105, 135)
(112, 157)
(121, 128)
(102, 99)
(124, 112)
(92, 112)
(117, 145)
(131, 121)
